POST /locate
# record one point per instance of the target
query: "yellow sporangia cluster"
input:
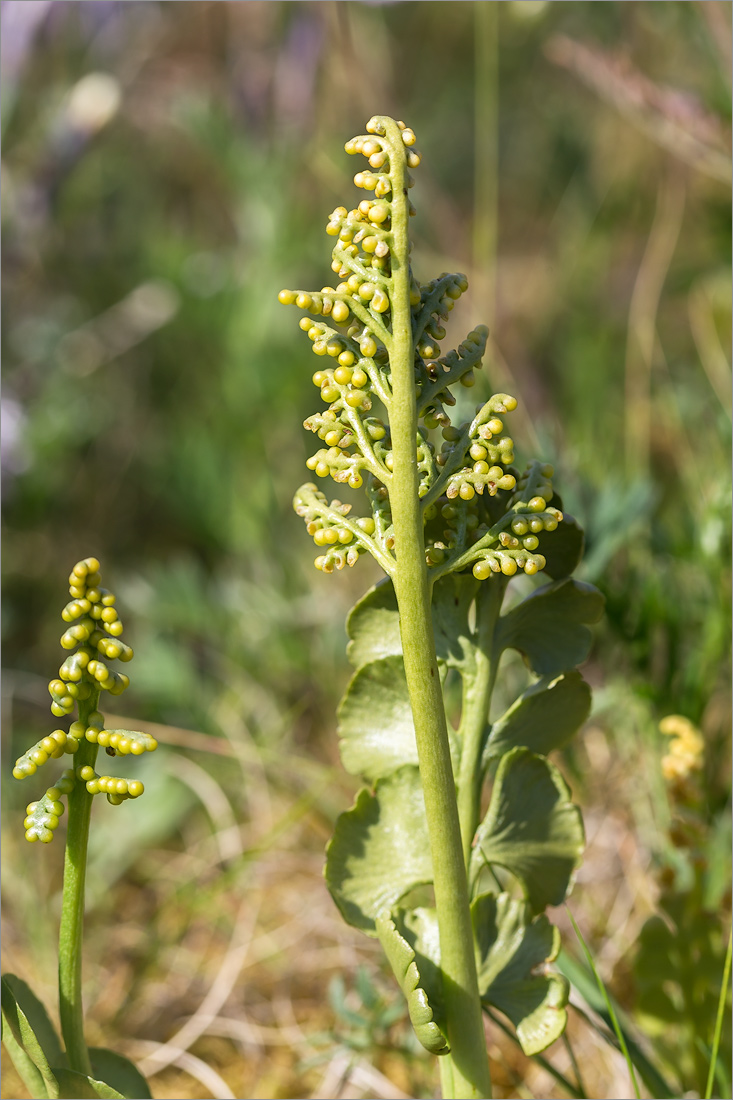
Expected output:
(350, 327)
(92, 636)
(686, 749)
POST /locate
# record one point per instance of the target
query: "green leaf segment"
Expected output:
(92, 639)
(455, 896)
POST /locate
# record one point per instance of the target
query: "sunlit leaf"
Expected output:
(38, 1018)
(24, 1066)
(531, 828)
(374, 629)
(24, 1032)
(543, 718)
(509, 948)
(379, 850)
(375, 721)
(373, 626)
(420, 1003)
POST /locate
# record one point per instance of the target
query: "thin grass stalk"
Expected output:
(614, 1021)
(719, 1019)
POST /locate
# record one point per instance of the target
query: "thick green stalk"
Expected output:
(478, 687)
(72, 907)
(470, 1067)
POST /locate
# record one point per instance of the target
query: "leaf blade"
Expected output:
(549, 627)
(78, 1086)
(24, 1066)
(379, 850)
(119, 1072)
(509, 948)
(401, 957)
(543, 718)
(373, 624)
(531, 828)
(37, 1015)
(562, 548)
(376, 730)
(20, 1027)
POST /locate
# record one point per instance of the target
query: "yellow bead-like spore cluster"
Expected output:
(116, 788)
(93, 638)
(476, 509)
(684, 759)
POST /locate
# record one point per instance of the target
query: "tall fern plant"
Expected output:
(454, 888)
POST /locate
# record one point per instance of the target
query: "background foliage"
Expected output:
(166, 168)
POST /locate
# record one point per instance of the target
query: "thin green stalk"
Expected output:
(719, 1019)
(470, 1067)
(614, 1020)
(574, 1063)
(478, 687)
(578, 1093)
(72, 907)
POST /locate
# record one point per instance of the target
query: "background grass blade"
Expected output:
(719, 1020)
(611, 1011)
(582, 980)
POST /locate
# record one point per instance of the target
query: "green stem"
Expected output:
(447, 1084)
(470, 1067)
(478, 687)
(72, 906)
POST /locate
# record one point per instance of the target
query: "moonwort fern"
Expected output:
(92, 640)
(455, 890)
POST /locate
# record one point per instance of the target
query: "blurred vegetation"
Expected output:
(167, 167)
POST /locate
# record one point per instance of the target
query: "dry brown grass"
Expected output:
(209, 962)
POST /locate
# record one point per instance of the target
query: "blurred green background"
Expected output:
(167, 167)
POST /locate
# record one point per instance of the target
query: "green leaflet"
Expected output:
(375, 721)
(549, 629)
(24, 1066)
(379, 850)
(562, 549)
(373, 626)
(531, 828)
(120, 1073)
(35, 1048)
(28, 1022)
(374, 630)
(401, 956)
(452, 599)
(543, 718)
(509, 947)
(38, 1018)
(77, 1086)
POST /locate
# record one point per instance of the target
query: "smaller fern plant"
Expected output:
(92, 637)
